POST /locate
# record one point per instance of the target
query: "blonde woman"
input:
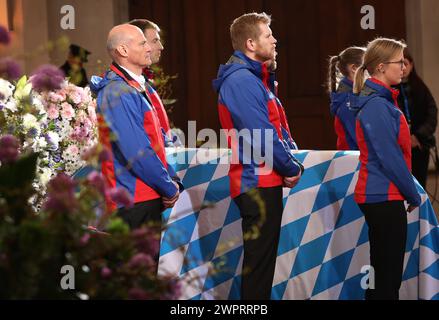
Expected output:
(385, 179)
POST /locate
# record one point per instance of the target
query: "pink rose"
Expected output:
(72, 149)
(55, 97)
(67, 111)
(53, 112)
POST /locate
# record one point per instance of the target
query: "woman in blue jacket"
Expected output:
(385, 179)
(344, 66)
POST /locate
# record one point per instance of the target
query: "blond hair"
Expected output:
(247, 27)
(380, 50)
(340, 65)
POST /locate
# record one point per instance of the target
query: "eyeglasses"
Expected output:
(401, 63)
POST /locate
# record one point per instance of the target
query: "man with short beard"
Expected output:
(247, 103)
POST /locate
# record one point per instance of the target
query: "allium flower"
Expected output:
(97, 181)
(9, 146)
(141, 260)
(61, 196)
(47, 78)
(147, 240)
(174, 290)
(106, 272)
(121, 196)
(5, 37)
(10, 69)
(138, 294)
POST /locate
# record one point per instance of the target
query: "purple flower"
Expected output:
(121, 196)
(147, 240)
(61, 196)
(10, 69)
(96, 180)
(106, 272)
(47, 78)
(9, 146)
(141, 260)
(5, 37)
(174, 290)
(138, 294)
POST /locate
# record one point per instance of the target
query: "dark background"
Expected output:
(196, 39)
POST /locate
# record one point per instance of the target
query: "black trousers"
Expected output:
(145, 213)
(142, 213)
(261, 239)
(420, 160)
(387, 222)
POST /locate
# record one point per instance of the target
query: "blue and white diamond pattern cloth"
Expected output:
(323, 244)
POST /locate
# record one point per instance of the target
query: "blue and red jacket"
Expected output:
(130, 128)
(246, 102)
(385, 149)
(344, 122)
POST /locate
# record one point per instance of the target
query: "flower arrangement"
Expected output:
(59, 124)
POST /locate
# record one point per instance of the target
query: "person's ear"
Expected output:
(122, 50)
(250, 45)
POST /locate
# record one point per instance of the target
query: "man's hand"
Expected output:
(291, 182)
(170, 202)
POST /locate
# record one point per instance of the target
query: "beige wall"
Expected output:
(93, 21)
(36, 24)
(422, 18)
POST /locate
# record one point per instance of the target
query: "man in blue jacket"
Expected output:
(247, 106)
(130, 129)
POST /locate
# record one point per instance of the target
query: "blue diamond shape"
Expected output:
(312, 177)
(364, 235)
(233, 214)
(426, 212)
(412, 235)
(333, 272)
(332, 191)
(311, 255)
(200, 251)
(412, 268)
(235, 290)
(291, 235)
(223, 268)
(198, 175)
(349, 212)
(352, 289)
(178, 233)
(433, 270)
(278, 291)
(218, 190)
(431, 240)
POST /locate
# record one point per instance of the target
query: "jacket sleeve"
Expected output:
(123, 114)
(247, 104)
(428, 128)
(381, 130)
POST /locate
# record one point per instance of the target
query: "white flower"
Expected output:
(6, 90)
(53, 138)
(45, 176)
(29, 121)
(40, 143)
(11, 105)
